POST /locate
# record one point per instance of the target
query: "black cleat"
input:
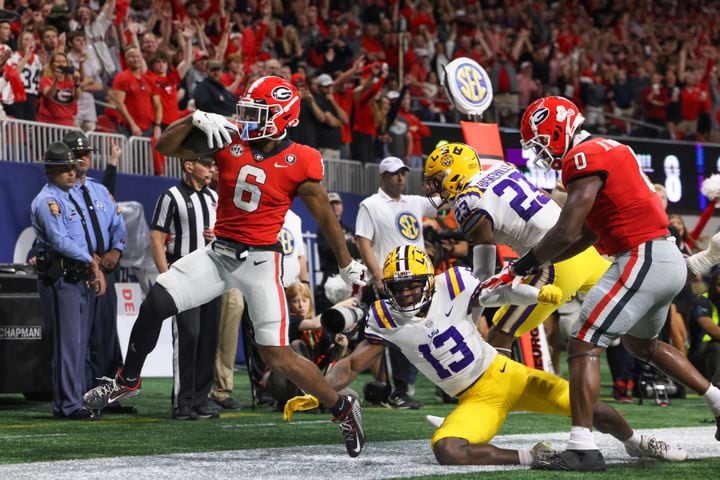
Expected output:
(574, 461)
(351, 426)
(717, 432)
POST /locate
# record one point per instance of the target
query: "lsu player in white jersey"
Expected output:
(500, 205)
(428, 318)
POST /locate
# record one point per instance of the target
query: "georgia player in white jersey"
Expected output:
(427, 317)
(500, 205)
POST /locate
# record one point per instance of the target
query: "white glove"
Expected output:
(354, 273)
(216, 127)
(702, 262)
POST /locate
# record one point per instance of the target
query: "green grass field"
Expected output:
(30, 434)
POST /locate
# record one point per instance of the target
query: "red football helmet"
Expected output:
(547, 128)
(269, 106)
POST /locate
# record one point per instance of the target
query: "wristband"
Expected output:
(526, 265)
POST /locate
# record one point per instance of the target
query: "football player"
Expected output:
(260, 172)
(428, 318)
(500, 205)
(611, 204)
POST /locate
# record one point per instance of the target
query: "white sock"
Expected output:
(526, 457)
(633, 441)
(712, 398)
(581, 438)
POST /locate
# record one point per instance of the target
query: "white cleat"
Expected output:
(434, 421)
(651, 447)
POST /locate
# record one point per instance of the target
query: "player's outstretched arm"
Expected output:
(346, 370)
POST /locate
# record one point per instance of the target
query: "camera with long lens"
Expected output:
(342, 320)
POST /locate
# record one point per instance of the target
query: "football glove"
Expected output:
(702, 262)
(299, 403)
(216, 127)
(504, 277)
(550, 294)
(354, 273)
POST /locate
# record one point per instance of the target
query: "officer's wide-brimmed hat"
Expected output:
(78, 142)
(58, 154)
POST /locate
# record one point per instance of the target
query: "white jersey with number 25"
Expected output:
(520, 213)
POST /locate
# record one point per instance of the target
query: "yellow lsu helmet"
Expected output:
(409, 278)
(447, 170)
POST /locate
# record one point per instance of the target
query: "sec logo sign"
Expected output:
(468, 86)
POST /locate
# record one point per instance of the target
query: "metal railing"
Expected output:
(26, 141)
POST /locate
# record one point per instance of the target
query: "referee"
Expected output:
(183, 222)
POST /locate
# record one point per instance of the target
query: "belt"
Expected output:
(239, 251)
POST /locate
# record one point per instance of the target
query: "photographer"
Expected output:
(59, 92)
(444, 241)
(309, 338)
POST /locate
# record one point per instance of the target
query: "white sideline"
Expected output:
(378, 460)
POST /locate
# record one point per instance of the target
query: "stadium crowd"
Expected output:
(369, 71)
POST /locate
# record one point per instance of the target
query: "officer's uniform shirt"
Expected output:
(108, 213)
(58, 225)
(293, 247)
(444, 344)
(388, 223)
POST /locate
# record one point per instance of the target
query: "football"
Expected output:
(197, 141)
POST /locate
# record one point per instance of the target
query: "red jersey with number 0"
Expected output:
(256, 189)
(627, 211)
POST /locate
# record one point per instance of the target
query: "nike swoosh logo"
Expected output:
(447, 314)
(280, 165)
(260, 262)
(502, 370)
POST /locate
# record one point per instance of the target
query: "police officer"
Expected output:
(69, 276)
(109, 237)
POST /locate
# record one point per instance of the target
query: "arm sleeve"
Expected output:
(162, 217)
(507, 295)
(484, 258)
(109, 178)
(363, 223)
(118, 232)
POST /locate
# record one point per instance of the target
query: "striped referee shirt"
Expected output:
(183, 213)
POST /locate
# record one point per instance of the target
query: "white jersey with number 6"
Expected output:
(445, 344)
(519, 212)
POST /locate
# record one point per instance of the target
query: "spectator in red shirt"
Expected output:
(135, 96)
(418, 130)
(692, 98)
(167, 81)
(59, 91)
(655, 100)
(234, 76)
(364, 128)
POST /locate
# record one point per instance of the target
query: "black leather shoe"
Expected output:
(79, 414)
(574, 461)
(184, 413)
(205, 412)
(228, 403)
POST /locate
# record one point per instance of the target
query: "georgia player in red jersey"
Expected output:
(260, 172)
(612, 203)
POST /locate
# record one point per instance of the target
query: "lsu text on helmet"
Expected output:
(448, 169)
(409, 278)
(547, 129)
(268, 108)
